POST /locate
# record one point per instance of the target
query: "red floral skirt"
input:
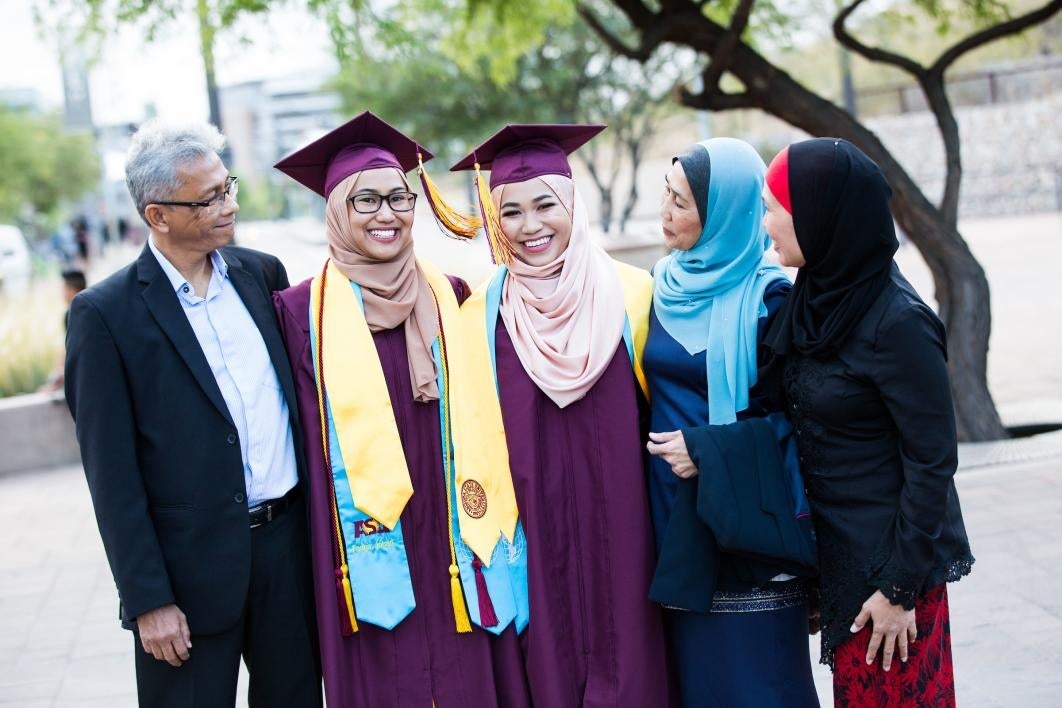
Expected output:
(927, 679)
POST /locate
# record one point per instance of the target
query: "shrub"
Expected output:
(31, 336)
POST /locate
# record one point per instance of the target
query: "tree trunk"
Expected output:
(962, 290)
(606, 210)
(634, 155)
(604, 188)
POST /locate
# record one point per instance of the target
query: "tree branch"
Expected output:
(716, 100)
(990, 34)
(654, 28)
(721, 56)
(614, 43)
(637, 12)
(840, 32)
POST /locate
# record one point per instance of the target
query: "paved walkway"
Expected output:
(61, 646)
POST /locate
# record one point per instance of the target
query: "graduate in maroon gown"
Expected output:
(401, 582)
(563, 325)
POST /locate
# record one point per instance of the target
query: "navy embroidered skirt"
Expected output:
(750, 650)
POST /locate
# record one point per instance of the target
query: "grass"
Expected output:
(31, 336)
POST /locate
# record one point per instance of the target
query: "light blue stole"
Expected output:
(376, 556)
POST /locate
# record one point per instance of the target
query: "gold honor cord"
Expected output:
(348, 623)
(457, 595)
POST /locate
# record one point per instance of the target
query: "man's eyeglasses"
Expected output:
(369, 203)
(232, 187)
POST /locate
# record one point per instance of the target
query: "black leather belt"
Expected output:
(263, 513)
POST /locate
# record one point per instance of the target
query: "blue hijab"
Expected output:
(710, 298)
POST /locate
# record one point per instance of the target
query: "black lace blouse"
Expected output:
(876, 433)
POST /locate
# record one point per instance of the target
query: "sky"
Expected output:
(167, 72)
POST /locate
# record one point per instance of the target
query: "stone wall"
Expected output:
(36, 431)
(1011, 153)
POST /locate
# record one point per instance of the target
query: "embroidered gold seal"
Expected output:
(473, 499)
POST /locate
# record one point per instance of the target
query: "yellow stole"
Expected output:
(366, 429)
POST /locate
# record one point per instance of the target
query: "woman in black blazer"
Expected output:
(860, 359)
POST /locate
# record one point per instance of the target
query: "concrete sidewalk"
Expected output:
(61, 646)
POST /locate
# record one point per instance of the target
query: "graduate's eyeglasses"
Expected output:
(232, 187)
(369, 203)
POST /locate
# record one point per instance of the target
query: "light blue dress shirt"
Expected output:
(240, 362)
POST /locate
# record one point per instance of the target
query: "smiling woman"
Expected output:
(419, 598)
(562, 326)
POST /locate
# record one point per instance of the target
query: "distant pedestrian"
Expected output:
(73, 283)
(83, 238)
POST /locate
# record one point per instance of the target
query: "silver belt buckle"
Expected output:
(259, 523)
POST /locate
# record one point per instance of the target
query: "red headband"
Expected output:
(777, 178)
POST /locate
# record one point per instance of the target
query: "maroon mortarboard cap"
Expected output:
(362, 143)
(519, 152)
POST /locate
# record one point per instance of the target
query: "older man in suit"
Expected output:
(183, 401)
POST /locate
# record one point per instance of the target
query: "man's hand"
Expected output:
(671, 447)
(164, 634)
(893, 627)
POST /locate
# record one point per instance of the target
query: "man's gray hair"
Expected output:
(158, 151)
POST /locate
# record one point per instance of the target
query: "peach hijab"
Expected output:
(565, 318)
(394, 292)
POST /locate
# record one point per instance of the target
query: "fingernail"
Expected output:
(887, 668)
(853, 629)
(904, 659)
(870, 660)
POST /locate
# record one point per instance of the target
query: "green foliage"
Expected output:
(259, 200)
(506, 30)
(93, 20)
(948, 13)
(569, 76)
(41, 165)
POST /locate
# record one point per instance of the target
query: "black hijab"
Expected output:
(697, 165)
(840, 202)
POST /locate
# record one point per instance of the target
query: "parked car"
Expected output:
(15, 264)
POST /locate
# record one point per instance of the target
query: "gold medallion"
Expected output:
(473, 499)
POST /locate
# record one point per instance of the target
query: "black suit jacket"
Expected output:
(160, 451)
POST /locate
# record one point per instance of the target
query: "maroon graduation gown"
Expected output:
(423, 661)
(594, 638)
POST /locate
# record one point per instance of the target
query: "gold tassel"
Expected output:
(349, 597)
(457, 596)
(500, 249)
(462, 225)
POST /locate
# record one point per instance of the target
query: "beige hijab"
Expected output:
(394, 292)
(566, 317)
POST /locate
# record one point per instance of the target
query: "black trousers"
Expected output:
(276, 636)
